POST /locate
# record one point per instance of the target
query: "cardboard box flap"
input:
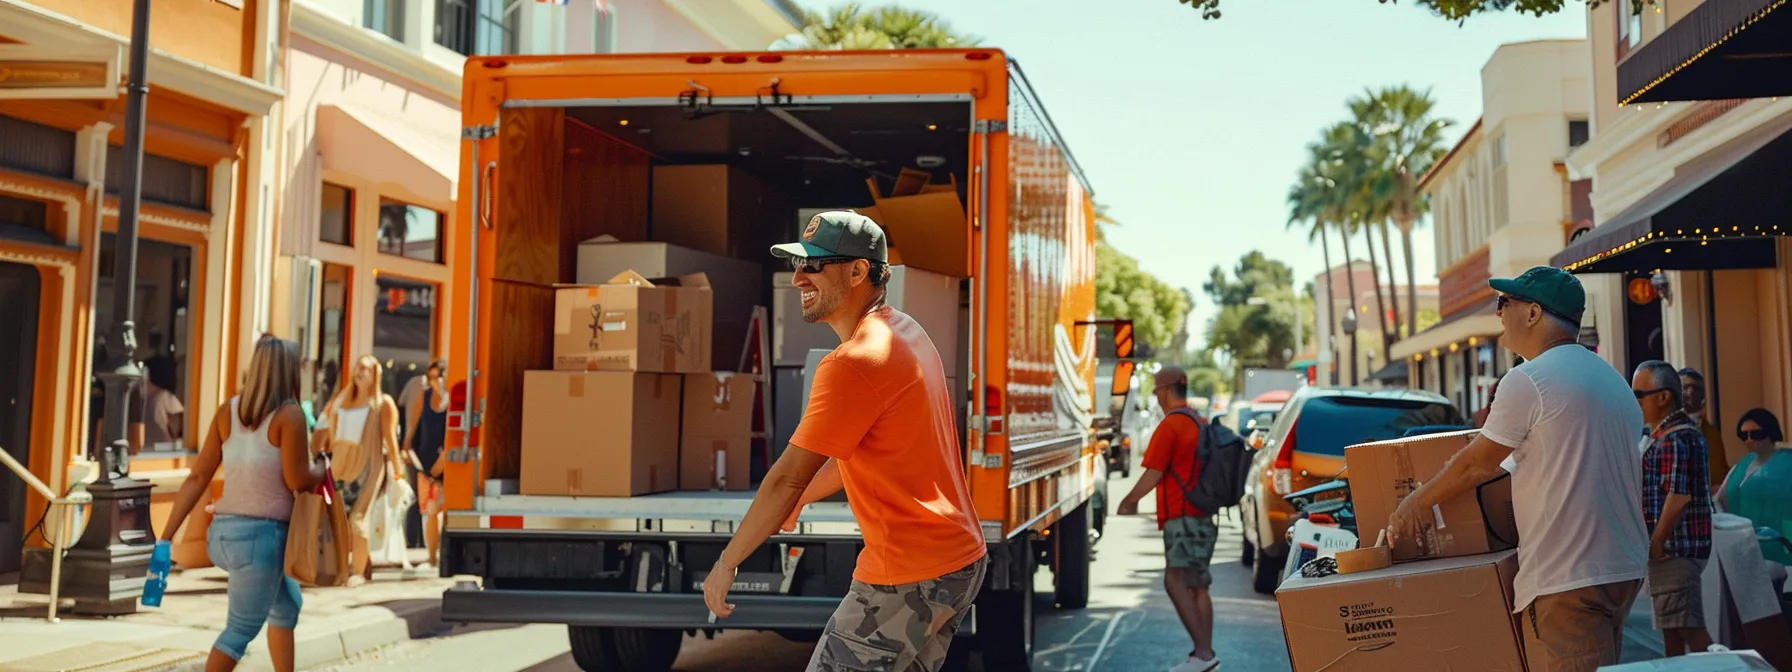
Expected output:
(1422, 438)
(630, 278)
(1298, 582)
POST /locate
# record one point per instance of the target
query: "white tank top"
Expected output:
(253, 482)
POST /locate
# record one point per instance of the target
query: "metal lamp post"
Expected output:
(1350, 331)
(106, 567)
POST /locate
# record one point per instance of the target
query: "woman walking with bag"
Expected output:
(258, 437)
(359, 431)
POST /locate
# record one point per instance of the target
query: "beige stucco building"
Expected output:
(1333, 339)
(1689, 164)
(1501, 203)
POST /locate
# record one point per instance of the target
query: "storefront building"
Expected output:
(204, 229)
(1689, 161)
(1501, 202)
(1348, 319)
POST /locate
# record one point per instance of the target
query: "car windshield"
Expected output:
(1259, 420)
(1327, 425)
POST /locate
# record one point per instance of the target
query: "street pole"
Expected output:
(105, 568)
(1350, 332)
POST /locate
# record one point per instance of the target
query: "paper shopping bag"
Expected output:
(317, 540)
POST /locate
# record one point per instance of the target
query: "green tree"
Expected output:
(1456, 10)
(852, 26)
(1407, 142)
(1125, 291)
(1259, 333)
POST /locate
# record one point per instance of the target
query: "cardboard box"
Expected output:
(633, 324)
(1450, 614)
(1383, 473)
(716, 442)
(599, 433)
(718, 209)
(928, 229)
(1724, 661)
(737, 285)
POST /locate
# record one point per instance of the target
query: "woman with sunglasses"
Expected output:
(1757, 487)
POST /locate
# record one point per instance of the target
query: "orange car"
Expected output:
(1305, 447)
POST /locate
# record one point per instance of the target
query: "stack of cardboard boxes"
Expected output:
(1446, 604)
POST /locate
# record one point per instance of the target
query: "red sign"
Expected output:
(1641, 291)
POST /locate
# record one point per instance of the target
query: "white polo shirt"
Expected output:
(1577, 489)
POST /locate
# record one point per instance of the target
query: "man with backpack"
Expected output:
(1205, 465)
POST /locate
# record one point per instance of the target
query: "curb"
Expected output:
(352, 634)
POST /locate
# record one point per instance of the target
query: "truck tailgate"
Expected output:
(670, 512)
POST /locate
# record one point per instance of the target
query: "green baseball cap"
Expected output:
(1554, 289)
(839, 233)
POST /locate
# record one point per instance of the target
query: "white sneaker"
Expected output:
(1194, 664)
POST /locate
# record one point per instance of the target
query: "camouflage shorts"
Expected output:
(897, 628)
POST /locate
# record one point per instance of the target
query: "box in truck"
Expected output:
(546, 166)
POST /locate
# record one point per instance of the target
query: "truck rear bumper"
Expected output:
(638, 610)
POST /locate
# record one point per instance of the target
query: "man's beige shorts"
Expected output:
(1578, 630)
(1675, 593)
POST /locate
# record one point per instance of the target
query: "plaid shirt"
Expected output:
(1676, 463)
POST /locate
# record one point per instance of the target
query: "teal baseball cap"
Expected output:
(1554, 289)
(839, 233)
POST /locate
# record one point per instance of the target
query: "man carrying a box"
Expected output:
(1676, 506)
(1570, 423)
(880, 423)
(1189, 533)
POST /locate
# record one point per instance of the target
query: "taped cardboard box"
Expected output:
(716, 441)
(634, 324)
(737, 286)
(1450, 614)
(599, 433)
(1383, 473)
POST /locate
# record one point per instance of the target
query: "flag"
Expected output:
(562, 3)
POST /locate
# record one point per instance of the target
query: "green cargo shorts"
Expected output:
(1188, 542)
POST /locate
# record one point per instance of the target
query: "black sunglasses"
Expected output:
(1644, 393)
(1752, 434)
(1500, 304)
(815, 264)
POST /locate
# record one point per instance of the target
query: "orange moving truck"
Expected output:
(723, 155)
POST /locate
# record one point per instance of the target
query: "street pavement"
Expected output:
(1129, 626)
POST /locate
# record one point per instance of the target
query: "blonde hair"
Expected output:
(272, 380)
(347, 390)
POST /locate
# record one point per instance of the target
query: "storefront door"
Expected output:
(18, 355)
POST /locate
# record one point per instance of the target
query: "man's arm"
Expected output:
(1680, 486)
(1473, 465)
(1671, 511)
(778, 495)
(824, 485)
(1147, 482)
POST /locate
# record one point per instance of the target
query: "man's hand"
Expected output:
(1128, 507)
(1658, 549)
(1406, 521)
(715, 590)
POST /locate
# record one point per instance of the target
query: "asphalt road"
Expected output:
(1129, 626)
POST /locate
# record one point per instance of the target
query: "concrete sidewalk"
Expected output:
(334, 624)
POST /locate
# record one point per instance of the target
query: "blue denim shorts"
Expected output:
(253, 551)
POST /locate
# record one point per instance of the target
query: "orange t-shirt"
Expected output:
(879, 405)
(1172, 451)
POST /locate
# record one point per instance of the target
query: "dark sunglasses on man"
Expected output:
(1644, 393)
(1504, 299)
(812, 265)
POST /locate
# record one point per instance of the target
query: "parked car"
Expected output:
(1305, 448)
(1255, 418)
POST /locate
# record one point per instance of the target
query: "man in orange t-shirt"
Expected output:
(880, 423)
(1189, 532)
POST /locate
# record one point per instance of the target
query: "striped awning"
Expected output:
(1721, 49)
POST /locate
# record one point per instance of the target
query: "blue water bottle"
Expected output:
(160, 563)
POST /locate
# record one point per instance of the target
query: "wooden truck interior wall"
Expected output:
(571, 174)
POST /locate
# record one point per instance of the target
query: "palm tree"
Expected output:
(1306, 206)
(1407, 142)
(1340, 161)
(853, 27)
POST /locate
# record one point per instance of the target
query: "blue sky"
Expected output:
(1190, 130)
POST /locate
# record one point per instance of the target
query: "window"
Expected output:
(410, 231)
(1326, 425)
(25, 219)
(477, 27)
(1578, 132)
(384, 16)
(336, 215)
(1630, 28)
(164, 336)
(165, 181)
(35, 148)
(603, 32)
(332, 334)
(1498, 154)
(404, 317)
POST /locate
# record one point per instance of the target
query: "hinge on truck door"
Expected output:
(988, 126)
(479, 132)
